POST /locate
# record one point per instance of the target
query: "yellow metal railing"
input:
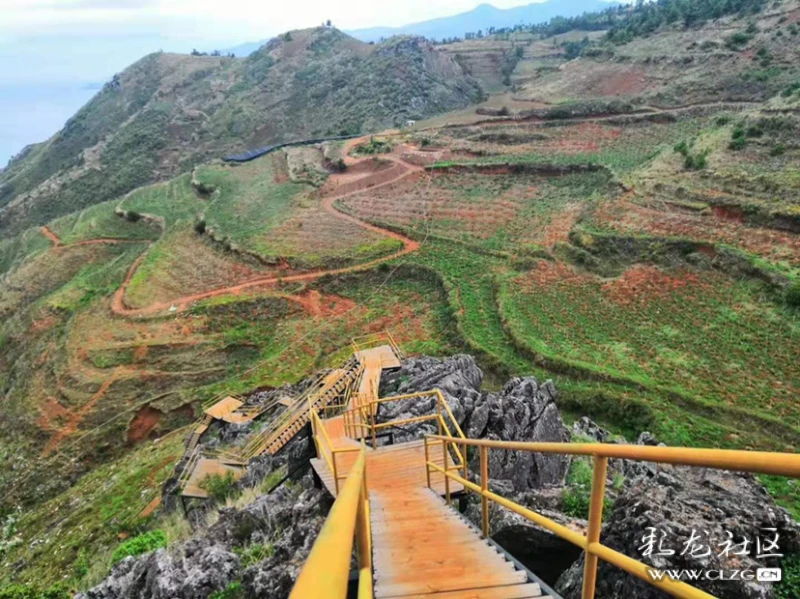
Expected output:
(783, 464)
(369, 341)
(361, 422)
(325, 449)
(327, 569)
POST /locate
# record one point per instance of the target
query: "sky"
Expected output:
(55, 54)
(220, 22)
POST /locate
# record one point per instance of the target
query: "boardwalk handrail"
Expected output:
(443, 413)
(367, 341)
(327, 569)
(325, 449)
(782, 464)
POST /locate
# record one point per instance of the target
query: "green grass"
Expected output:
(716, 338)
(100, 221)
(101, 505)
(174, 201)
(248, 202)
(14, 250)
(143, 543)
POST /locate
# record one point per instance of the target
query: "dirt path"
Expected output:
(51, 236)
(180, 304)
(77, 417)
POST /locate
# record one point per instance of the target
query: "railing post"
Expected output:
(439, 415)
(446, 478)
(427, 467)
(314, 434)
(484, 489)
(335, 473)
(372, 426)
(595, 524)
(464, 460)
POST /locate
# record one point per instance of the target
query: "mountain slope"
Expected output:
(483, 17)
(168, 112)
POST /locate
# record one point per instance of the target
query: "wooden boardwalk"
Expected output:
(422, 547)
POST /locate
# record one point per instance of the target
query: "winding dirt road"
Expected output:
(119, 307)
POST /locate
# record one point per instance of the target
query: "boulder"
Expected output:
(196, 570)
(524, 410)
(677, 501)
(289, 520)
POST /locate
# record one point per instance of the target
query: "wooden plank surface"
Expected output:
(421, 549)
(224, 407)
(204, 468)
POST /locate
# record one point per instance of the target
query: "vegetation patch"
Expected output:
(143, 543)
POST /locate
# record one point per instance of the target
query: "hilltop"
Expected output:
(169, 112)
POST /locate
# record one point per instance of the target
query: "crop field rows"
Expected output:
(688, 329)
(499, 211)
(713, 225)
(620, 147)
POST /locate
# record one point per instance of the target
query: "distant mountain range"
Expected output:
(481, 17)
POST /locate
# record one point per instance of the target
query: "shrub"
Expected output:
(249, 556)
(577, 494)
(789, 588)
(723, 120)
(777, 150)
(691, 161)
(738, 138)
(787, 92)
(754, 131)
(144, 543)
(793, 294)
(232, 591)
(220, 486)
(736, 40)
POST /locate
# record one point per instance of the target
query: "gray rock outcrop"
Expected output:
(524, 410)
(676, 502)
(288, 521)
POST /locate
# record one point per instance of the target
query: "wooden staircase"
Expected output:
(322, 393)
(194, 438)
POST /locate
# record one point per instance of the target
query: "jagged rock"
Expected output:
(198, 569)
(288, 519)
(586, 428)
(523, 411)
(677, 501)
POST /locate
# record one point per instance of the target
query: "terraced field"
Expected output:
(497, 211)
(541, 248)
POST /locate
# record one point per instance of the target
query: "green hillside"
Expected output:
(169, 112)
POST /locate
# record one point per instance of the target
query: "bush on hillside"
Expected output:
(691, 161)
(789, 588)
(793, 294)
(144, 543)
(220, 487)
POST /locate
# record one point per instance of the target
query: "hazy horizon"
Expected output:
(54, 54)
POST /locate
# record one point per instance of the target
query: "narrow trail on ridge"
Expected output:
(179, 304)
(51, 236)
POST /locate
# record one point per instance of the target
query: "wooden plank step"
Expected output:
(517, 591)
(454, 572)
(421, 587)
